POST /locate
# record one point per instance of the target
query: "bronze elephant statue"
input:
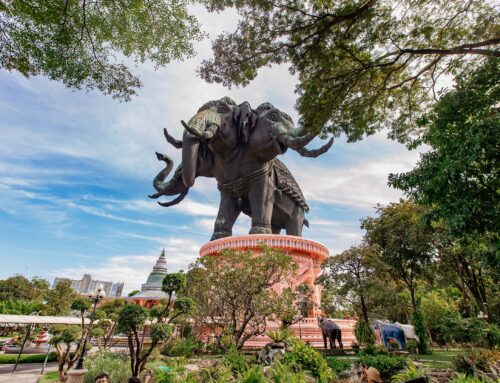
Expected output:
(238, 146)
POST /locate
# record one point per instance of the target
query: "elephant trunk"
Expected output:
(304, 152)
(171, 187)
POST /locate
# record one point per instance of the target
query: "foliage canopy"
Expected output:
(459, 176)
(233, 290)
(86, 44)
(362, 65)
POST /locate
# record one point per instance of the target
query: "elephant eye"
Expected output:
(274, 116)
(222, 109)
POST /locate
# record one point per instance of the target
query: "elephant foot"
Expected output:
(221, 233)
(260, 230)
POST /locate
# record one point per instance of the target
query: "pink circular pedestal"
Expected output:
(307, 254)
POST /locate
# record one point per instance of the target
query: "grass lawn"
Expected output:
(440, 359)
(49, 377)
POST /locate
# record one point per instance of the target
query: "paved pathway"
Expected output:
(25, 373)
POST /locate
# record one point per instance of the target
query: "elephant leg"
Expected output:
(227, 215)
(339, 338)
(402, 344)
(276, 229)
(324, 341)
(261, 198)
(385, 340)
(295, 223)
(331, 336)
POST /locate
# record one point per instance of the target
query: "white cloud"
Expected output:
(361, 185)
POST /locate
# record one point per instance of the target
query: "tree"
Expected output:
(40, 288)
(60, 298)
(81, 305)
(459, 176)
(404, 241)
(233, 290)
(352, 272)
(133, 292)
(362, 65)
(16, 287)
(438, 311)
(131, 322)
(286, 310)
(64, 335)
(112, 309)
(465, 263)
(19, 307)
(406, 248)
(81, 42)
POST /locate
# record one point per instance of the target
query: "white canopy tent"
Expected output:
(39, 319)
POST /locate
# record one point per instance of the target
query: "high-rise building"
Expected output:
(89, 286)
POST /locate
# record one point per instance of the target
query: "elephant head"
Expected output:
(203, 126)
(197, 160)
(276, 131)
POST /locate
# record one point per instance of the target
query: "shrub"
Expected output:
(339, 365)
(254, 374)
(186, 347)
(410, 372)
(478, 332)
(420, 331)
(117, 366)
(279, 336)
(463, 378)
(283, 373)
(219, 373)
(307, 358)
(387, 365)
(412, 346)
(476, 360)
(30, 358)
(373, 350)
(235, 361)
(364, 333)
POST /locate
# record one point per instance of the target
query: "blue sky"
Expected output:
(76, 168)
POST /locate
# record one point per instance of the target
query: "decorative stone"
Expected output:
(267, 355)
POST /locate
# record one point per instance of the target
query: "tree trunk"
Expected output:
(364, 310)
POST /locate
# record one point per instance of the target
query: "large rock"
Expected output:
(270, 352)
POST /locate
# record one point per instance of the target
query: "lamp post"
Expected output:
(100, 294)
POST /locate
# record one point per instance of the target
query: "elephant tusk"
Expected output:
(175, 201)
(206, 134)
(171, 140)
(296, 142)
(313, 153)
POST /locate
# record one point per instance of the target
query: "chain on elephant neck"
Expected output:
(238, 186)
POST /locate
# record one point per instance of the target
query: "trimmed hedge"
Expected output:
(27, 358)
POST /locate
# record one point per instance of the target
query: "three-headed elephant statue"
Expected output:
(238, 146)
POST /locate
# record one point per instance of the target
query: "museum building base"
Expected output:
(308, 256)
